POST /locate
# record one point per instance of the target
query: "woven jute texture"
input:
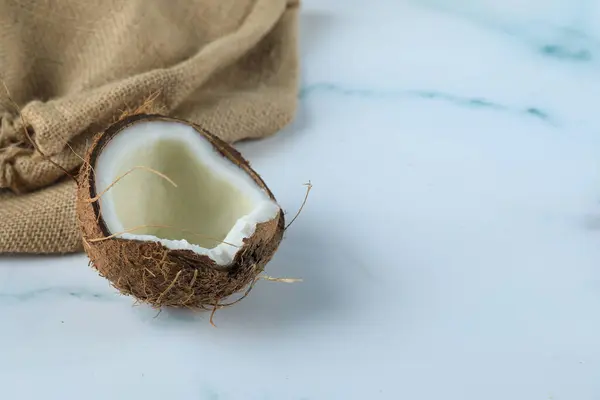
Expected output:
(72, 67)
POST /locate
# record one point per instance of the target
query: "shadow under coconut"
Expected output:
(278, 305)
(274, 306)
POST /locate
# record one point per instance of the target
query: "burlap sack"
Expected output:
(74, 65)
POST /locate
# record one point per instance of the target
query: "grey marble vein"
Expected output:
(461, 101)
(64, 292)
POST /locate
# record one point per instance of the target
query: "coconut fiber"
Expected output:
(159, 276)
(72, 67)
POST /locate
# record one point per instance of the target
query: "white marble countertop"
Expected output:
(450, 248)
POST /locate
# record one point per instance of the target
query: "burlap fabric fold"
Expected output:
(73, 66)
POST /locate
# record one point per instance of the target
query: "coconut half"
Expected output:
(190, 245)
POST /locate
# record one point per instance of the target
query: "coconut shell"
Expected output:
(159, 276)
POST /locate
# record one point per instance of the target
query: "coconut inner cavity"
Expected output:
(215, 201)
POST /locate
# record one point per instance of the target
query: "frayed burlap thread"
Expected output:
(228, 65)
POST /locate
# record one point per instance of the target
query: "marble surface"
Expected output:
(450, 248)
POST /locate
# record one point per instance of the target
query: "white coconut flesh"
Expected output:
(213, 208)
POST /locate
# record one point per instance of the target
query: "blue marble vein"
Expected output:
(461, 101)
(563, 52)
(73, 293)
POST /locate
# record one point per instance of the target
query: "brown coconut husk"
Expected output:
(159, 276)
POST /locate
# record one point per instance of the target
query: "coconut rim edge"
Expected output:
(187, 257)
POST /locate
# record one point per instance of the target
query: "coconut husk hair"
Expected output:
(159, 276)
